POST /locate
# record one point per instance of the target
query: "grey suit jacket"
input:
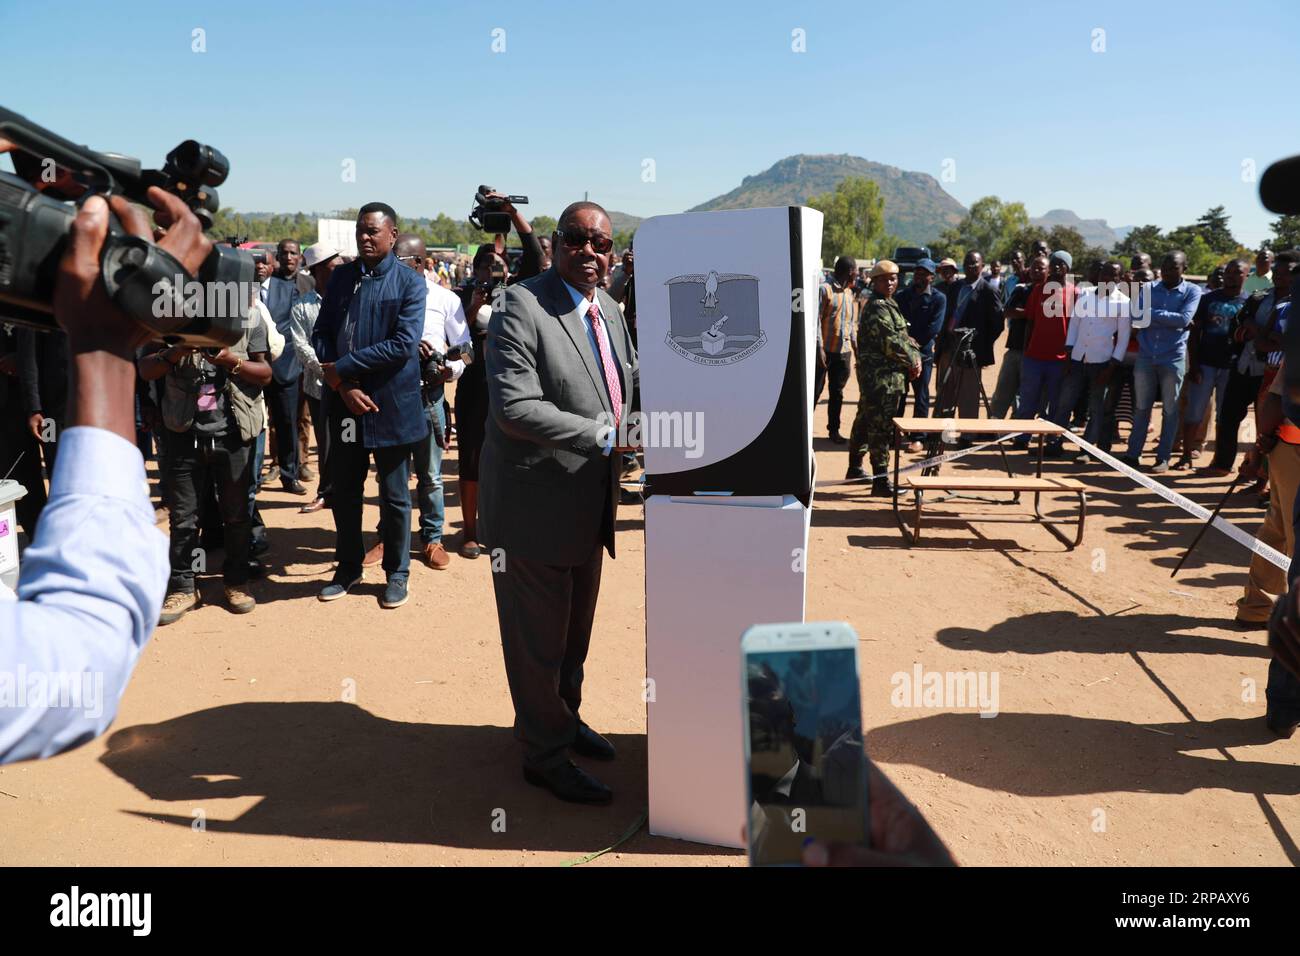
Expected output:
(546, 487)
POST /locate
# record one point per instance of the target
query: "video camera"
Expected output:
(961, 341)
(145, 281)
(488, 213)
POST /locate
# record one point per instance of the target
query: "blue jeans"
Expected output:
(1099, 422)
(427, 460)
(921, 387)
(1167, 378)
(1039, 376)
(350, 464)
(1214, 381)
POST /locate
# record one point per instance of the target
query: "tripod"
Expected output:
(947, 398)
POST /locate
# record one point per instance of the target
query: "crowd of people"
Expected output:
(1088, 354)
(228, 425)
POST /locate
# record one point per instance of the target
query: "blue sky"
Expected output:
(1154, 129)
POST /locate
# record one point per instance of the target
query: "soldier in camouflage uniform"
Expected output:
(887, 358)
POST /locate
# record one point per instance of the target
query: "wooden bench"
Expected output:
(961, 484)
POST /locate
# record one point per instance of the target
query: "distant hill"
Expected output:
(917, 208)
(623, 221)
(1095, 232)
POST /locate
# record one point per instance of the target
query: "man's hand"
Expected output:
(1249, 470)
(900, 836)
(426, 350)
(225, 359)
(331, 377)
(915, 371)
(1196, 375)
(1284, 631)
(357, 401)
(35, 423)
(8, 364)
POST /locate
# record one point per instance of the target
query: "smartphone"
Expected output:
(805, 767)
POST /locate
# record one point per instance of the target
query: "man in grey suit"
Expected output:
(561, 370)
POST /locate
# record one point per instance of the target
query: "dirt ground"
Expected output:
(1129, 728)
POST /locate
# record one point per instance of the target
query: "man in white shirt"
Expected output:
(444, 329)
(1096, 340)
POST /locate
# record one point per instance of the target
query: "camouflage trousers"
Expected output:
(873, 427)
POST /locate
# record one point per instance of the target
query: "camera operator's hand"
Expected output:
(522, 225)
(426, 350)
(357, 401)
(101, 339)
(35, 422)
(478, 298)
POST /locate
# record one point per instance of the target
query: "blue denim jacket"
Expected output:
(385, 347)
(1172, 310)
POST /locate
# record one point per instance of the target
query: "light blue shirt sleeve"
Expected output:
(89, 594)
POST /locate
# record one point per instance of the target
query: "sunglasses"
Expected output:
(600, 245)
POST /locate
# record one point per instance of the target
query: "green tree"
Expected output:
(987, 228)
(1286, 233)
(1148, 239)
(1213, 226)
(855, 219)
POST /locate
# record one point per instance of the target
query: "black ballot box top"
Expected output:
(726, 311)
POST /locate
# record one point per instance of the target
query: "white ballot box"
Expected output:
(726, 312)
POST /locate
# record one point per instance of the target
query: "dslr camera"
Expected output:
(488, 213)
(143, 280)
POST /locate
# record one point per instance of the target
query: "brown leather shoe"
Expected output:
(435, 555)
(374, 556)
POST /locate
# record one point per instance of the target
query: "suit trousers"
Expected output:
(545, 613)
(282, 404)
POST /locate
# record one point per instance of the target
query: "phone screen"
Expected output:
(807, 771)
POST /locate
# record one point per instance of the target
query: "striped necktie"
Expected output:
(608, 368)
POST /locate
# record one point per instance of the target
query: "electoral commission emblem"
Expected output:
(713, 318)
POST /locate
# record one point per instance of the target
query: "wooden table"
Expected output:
(930, 480)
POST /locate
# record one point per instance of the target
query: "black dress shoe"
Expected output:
(588, 743)
(838, 439)
(570, 782)
(1285, 730)
(295, 487)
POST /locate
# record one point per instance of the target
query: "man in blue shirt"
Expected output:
(924, 308)
(367, 337)
(93, 580)
(1163, 317)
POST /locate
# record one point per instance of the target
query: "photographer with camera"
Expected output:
(93, 580)
(490, 275)
(212, 415)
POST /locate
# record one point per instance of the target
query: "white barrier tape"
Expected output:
(916, 465)
(1243, 538)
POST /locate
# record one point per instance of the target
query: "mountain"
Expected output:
(917, 208)
(1095, 232)
(623, 221)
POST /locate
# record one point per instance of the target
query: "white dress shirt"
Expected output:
(444, 323)
(1099, 326)
(89, 593)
